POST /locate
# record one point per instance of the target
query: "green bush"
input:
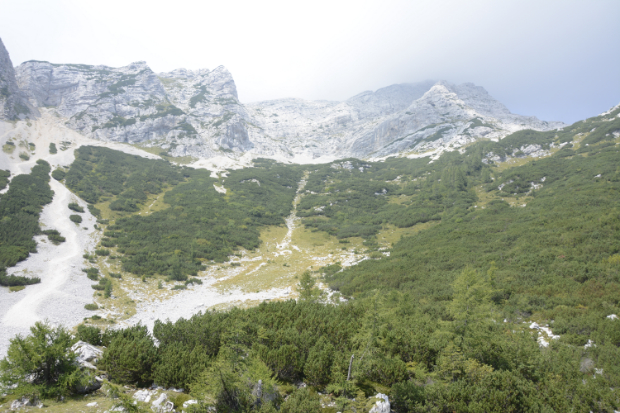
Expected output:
(91, 273)
(59, 174)
(16, 280)
(405, 396)
(54, 236)
(24, 156)
(4, 178)
(318, 365)
(91, 307)
(105, 284)
(89, 334)
(74, 206)
(102, 252)
(302, 401)
(129, 356)
(179, 365)
(20, 207)
(53, 149)
(42, 363)
(75, 218)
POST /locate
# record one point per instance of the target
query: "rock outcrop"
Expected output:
(13, 102)
(382, 405)
(198, 113)
(184, 112)
(400, 118)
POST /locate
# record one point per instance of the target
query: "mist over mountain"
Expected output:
(198, 114)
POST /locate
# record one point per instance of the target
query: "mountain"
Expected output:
(198, 114)
(13, 103)
(480, 279)
(198, 111)
(399, 118)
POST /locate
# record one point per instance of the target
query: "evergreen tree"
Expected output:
(42, 363)
(318, 365)
(306, 287)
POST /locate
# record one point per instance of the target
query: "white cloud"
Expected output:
(554, 59)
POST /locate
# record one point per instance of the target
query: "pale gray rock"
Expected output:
(197, 113)
(382, 405)
(400, 118)
(86, 353)
(162, 404)
(25, 402)
(13, 102)
(186, 112)
(188, 403)
(142, 396)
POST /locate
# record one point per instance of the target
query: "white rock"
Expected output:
(589, 344)
(142, 396)
(86, 354)
(162, 404)
(92, 404)
(133, 104)
(23, 402)
(381, 406)
(612, 317)
(160, 400)
(189, 403)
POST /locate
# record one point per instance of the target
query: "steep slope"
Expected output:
(13, 103)
(198, 114)
(399, 118)
(134, 105)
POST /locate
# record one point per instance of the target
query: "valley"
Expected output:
(183, 251)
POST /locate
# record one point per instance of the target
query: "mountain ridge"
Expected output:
(197, 114)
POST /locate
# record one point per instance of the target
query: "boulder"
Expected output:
(142, 395)
(87, 354)
(26, 402)
(162, 404)
(189, 403)
(382, 405)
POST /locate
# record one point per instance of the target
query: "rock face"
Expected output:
(13, 102)
(399, 118)
(198, 114)
(185, 112)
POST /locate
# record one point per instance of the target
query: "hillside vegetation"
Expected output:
(507, 303)
(197, 222)
(20, 208)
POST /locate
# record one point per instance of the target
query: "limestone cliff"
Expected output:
(13, 103)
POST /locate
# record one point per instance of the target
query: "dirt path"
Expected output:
(202, 297)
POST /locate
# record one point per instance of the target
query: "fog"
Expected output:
(557, 60)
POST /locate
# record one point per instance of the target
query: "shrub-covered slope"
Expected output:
(197, 222)
(20, 208)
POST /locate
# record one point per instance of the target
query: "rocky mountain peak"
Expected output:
(197, 113)
(13, 102)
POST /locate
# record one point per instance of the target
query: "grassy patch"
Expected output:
(9, 147)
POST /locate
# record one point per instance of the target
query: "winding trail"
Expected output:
(291, 220)
(202, 297)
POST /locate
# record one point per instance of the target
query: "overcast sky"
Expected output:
(557, 60)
